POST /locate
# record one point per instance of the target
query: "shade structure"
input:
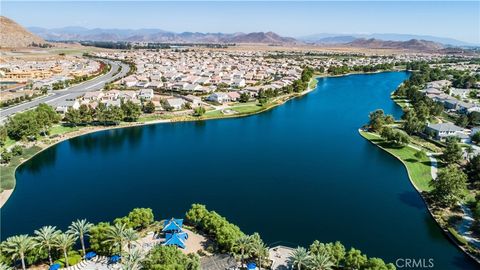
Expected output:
(115, 259)
(55, 266)
(251, 266)
(172, 225)
(176, 239)
(90, 255)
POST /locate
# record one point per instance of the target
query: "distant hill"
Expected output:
(413, 44)
(322, 37)
(156, 35)
(15, 36)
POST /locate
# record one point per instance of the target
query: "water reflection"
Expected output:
(40, 162)
(108, 140)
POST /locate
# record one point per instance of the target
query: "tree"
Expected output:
(16, 150)
(243, 246)
(130, 236)
(321, 261)
(85, 114)
(131, 111)
(6, 157)
(420, 155)
(132, 260)
(199, 111)
(260, 252)
(23, 125)
(168, 257)
(474, 118)
(377, 120)
(394, 136)
(98, 237)
(244, 97)
(149, 107)
(46, 117)
(354, 259)
(453, 151)
(450, 185)
(114, 115)
(18, 246)
(299, 258)
(80, 228)
(472, 169)
(412, 124)
(3, 135)
(64, 242)
(72, 116)
(462, 121)
(476, 138)
(377, 264)
(45, 237)
(116, 236)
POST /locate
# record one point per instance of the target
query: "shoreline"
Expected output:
(5, 194)
(420, 192)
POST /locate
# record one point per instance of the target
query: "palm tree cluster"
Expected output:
(330, 256)
(251, 248)
(47, 239)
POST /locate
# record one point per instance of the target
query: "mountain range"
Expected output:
(326, 38)
(157, 35)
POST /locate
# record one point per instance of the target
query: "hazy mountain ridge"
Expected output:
(413, 44)
(326, 38)
(157, 35)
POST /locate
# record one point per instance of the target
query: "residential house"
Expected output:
(441, 131)
(219, 97)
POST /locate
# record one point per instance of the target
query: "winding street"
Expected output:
(71, 92)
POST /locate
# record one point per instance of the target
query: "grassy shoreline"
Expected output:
(419, 174)
(65, 133)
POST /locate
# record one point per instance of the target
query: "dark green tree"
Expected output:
(149, 107)
(449, 187)
(453, 151)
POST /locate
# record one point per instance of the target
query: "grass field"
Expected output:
(419, 170)
(8, 172)
(60, 129)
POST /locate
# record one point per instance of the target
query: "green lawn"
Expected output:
(8, 172)
(60, 129)
(419, 170)
(154, 117)
(313, 83)
(249, 108)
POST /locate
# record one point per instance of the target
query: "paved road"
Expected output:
(71, 92)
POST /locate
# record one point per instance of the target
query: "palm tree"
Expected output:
(299, 258)
(64, 242)
(5, 267)
(243, 245)
(45, 237)
(260, 252)
(80, 228)
(130, 236)
(132, 260)
(17, 246)
(321, 261)
(116, 236)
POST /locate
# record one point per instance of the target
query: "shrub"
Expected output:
(6, 157)
(17, 150)
(73, 258)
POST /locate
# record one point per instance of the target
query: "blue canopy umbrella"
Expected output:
(173, 225)
(90, 255)
(176, 239)
(251, 266)
(115, 259)
(55, 266)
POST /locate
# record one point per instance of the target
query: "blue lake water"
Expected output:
(297, 173)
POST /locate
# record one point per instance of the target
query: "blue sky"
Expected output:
(460, 20)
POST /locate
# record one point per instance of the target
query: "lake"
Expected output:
(294, 174)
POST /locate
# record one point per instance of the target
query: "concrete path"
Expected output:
(464, 227)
